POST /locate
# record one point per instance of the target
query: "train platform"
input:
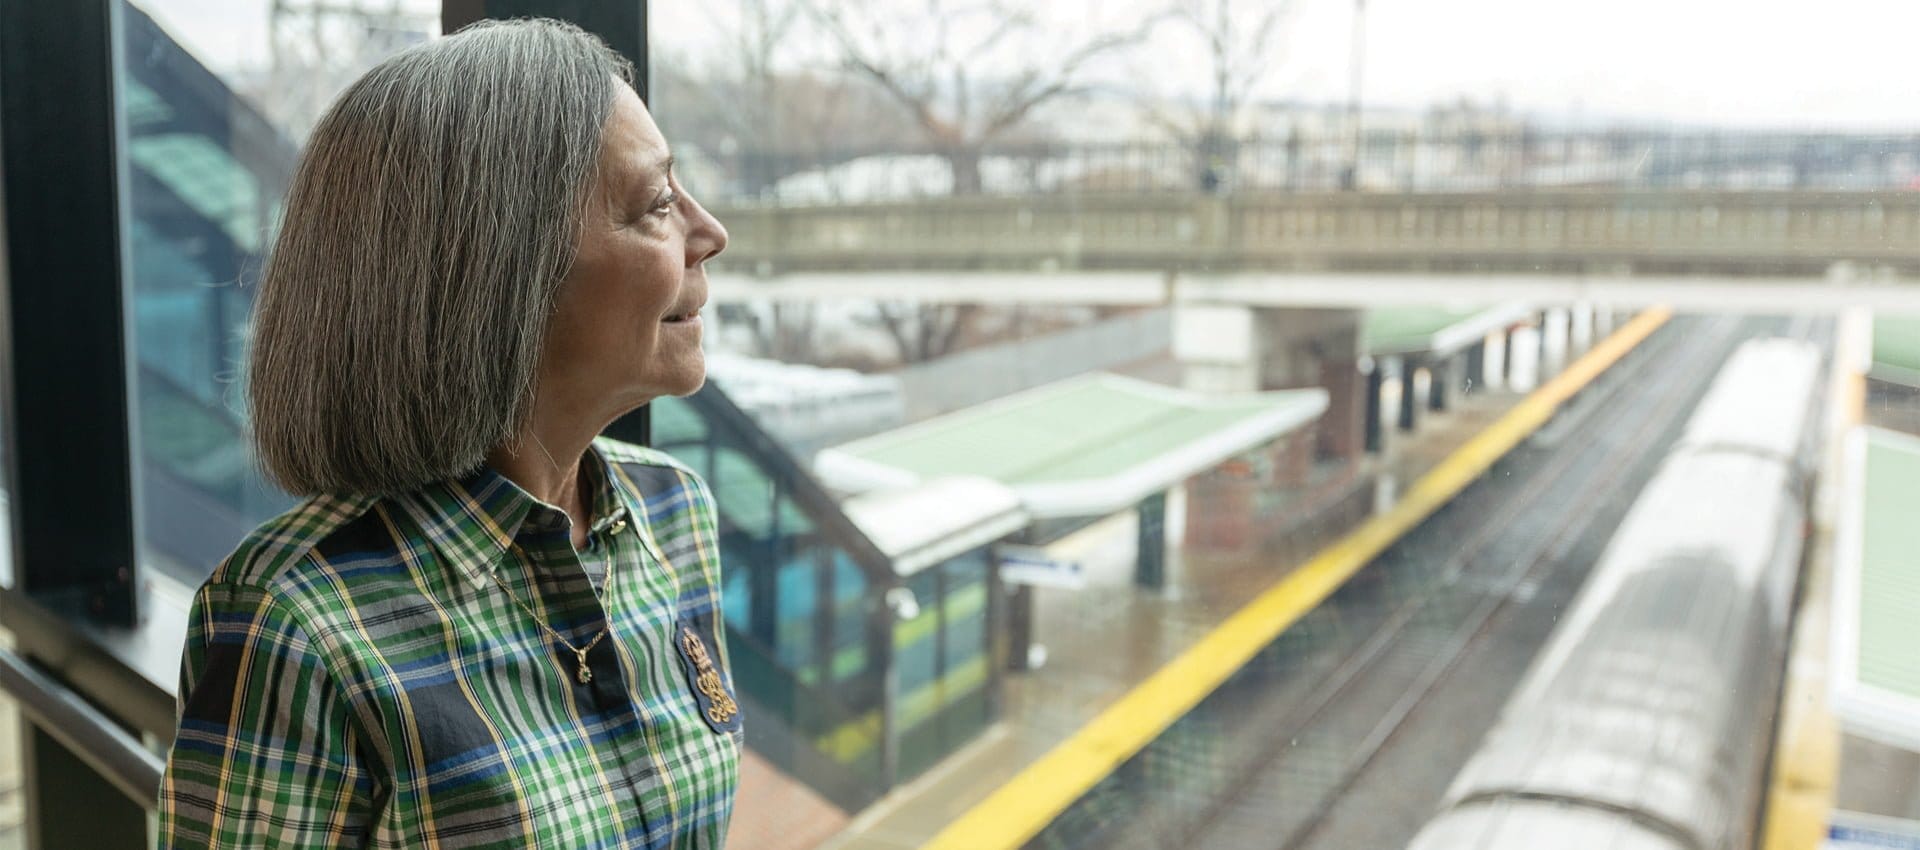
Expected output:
(1120, 662)
(1846, 772)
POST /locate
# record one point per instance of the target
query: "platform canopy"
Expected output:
(1434, 330)
(917, 527)
(1877, 591)
(1896, 349)
(1088, 446)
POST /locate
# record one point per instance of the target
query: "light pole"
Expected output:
(1351, 179)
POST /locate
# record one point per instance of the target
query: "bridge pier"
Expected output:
(1216, 347)
(1296, 348)
(1230, 348)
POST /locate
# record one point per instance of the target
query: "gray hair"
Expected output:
(438, 205)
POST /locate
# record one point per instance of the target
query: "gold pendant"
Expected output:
(583, 674)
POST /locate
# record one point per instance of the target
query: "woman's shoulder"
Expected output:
(624, 453)
(276, 550)
(669, 497)
(652, 472)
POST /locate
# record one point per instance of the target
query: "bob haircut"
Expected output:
(403, 309)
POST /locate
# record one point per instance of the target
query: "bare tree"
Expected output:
(319, 46)
(770, 99)
(736, 109)
(765, 25)
(966, 71)
(1237, 39)
(922, 331)
(784, 331)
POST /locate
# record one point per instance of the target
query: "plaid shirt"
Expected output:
(354, 676)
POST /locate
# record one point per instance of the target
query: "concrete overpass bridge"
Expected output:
(1831, 293)
(1575, 231)
(1239, 269)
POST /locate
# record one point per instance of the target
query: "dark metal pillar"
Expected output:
(1506, 358)
(1439, 376)
(1376, 381)
(997, 634)
(1150, 570)
(1020, 611)
(881, 622)
(1540, 364)
(1476, 367)
(1407, 405)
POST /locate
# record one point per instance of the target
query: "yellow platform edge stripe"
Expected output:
(1022, 807)
(1806, 753)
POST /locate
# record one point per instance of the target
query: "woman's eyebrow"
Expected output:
(645, 178)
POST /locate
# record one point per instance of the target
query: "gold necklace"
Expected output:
(582, 673)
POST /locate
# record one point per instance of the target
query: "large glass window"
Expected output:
(216, 107)
(1326, 350)
(1230, 422)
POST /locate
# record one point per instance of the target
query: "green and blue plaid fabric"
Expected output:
(354, 676)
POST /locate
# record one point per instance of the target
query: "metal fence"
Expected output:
(1714, 231)
(1397, 161)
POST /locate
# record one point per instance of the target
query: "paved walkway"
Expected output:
(1105, 639)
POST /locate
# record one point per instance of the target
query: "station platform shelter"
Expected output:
(1071, 454)
(1458, 348)
(1893, 382)
(1874, 665)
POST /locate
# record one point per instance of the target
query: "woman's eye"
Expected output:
(665, 203)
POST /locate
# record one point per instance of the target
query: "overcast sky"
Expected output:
(1814, 64)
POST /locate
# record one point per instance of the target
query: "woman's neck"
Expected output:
(547, 465)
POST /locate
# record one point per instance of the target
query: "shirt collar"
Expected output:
(474, 519)
(633, 501)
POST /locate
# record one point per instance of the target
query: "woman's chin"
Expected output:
(693, 384)
(689, 374)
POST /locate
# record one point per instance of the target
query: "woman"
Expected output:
(484, 627)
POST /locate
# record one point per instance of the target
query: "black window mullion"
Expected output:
(622, 24)
(69, 300)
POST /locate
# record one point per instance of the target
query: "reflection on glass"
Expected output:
(803, 666)
(1162, 270)
(213, 135)
(1233, 435)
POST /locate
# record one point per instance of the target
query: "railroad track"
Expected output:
(1589, 474)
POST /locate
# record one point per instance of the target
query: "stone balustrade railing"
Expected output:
(1641, 231)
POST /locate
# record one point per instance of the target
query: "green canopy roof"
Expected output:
(1896, 349)
(1083, 447)
(1441, 330)
(1877, 603)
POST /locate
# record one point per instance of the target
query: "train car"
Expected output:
(1642, 723)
